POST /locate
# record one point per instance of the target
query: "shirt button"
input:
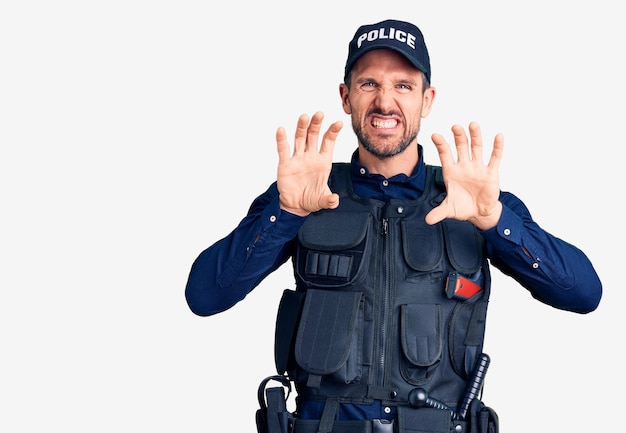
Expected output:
(387, 409)
(507, 232)
(273, 219)
(385, 182)
(400, 209)
(362, 170)
(535, 265)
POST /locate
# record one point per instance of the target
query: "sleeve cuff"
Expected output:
(509, 228)
(279, 221)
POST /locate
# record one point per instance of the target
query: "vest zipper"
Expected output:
(384, 310)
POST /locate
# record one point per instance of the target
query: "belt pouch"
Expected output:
(483, 419)
(272, 415)
(423, 420)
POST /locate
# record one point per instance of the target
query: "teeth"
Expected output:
(384, 123)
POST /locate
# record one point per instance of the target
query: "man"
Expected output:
(384, 331)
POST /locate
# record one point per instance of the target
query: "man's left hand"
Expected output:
(473, 188)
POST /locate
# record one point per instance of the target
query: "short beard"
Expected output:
(366, 142)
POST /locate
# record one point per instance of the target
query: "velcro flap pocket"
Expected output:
(421, 336)
(422, 245)
(464, 245)
(333, 248)
(422, 341)
(328, 330)
(332, 231)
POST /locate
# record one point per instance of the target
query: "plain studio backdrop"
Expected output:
(134, 134)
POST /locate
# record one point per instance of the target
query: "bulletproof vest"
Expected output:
(384, 302)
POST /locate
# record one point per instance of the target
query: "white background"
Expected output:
(134, 134)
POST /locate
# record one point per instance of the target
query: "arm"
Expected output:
(555, 272)
(226, 272)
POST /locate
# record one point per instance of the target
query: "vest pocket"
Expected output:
(421, 333)
(464, 245)
(329, 336)
(422, 245)
(333, 248)
(287, 318)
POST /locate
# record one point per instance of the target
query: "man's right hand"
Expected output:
(303, 177)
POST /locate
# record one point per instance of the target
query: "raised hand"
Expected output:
(473, 188)
(303, 176)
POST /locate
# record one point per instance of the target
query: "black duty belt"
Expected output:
(340, 426)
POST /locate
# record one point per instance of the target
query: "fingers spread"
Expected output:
(443, 148)
(460, 139)
(301, 134)
(282, 145)
(471, 150)
(313, 131)
(328, 141)
(497, 152)
(476, 141)
(307, 136)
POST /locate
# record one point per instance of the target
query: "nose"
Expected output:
(385, 99)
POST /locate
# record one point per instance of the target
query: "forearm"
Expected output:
(226, 272)
(554, 271)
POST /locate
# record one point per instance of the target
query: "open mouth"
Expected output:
(384, 123)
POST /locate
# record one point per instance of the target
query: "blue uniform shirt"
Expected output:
(552, 270)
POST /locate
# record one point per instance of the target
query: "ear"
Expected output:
(427, 100)
(344, 92)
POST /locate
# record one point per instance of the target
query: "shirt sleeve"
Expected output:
(227, 271)
(554, 271)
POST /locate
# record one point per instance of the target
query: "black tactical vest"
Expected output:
(384, 302)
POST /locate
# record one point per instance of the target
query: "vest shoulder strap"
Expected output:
(339, 179)
(437, 173)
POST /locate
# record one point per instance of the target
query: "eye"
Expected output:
(368, 86)
(404, 88)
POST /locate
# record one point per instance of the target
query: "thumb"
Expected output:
(436, 215)
(330, 201)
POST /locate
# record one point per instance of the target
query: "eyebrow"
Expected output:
(407, 81)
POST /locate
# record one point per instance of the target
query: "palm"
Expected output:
(302, 177)
(472, 187)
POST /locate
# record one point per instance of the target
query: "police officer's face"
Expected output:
(386, 102)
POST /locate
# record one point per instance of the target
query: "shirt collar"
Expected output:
(398, 187)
